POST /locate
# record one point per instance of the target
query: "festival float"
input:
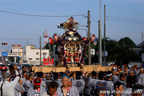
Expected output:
(71, 50)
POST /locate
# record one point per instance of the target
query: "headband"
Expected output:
(37, 83)
(65, 76)
(109, 74)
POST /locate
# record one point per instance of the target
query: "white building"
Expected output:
(16, 49)
(17, 52)
(31, 55)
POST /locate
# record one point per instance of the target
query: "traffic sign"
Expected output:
(4, 53)
(93, 51)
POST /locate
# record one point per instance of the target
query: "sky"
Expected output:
(124, 18)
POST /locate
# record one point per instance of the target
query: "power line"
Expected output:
(16, 13)
(125, 20)
(93, 19)
(20, 39)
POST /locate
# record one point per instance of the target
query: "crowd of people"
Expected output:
(119, 81)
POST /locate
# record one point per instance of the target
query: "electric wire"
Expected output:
(125, 20)
(93, 19)
(19, 39)
(24, 14)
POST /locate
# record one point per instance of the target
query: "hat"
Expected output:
(6, 76)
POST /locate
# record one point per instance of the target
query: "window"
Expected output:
(37, 53)
(37, 58)
(30, 58)
(44, 53)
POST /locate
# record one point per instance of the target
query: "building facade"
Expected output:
(16, 49)
(17, 53)
(31, 55)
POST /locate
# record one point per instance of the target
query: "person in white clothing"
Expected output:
(7, 87)
(140, 80)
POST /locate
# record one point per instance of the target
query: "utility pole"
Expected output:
(40, 50)
(54, 47)
(89, 45)
(142, 36)
(99, 45)
(100, 40)
(104, 35)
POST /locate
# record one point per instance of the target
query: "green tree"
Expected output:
(127, 42)
(124, 51)
(121, 51)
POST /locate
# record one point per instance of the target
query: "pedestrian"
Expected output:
(91, 79)
(55, 77)
(19, 89)
(119, 88)
(3, 70)
(109, 84)
(65, 90)
(8, 86)
(40, 75)
(52, 88)
(140, 80)
(79, 83)
(28, 83)
(37, 90)
(122, 78)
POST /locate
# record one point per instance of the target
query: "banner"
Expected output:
(48, 61)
